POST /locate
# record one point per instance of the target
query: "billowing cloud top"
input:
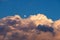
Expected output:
(35, 27)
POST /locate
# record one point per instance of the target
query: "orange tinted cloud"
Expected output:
(35, 27)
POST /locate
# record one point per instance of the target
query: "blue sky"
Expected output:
(51, 8)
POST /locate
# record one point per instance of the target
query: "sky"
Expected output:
(50, 8)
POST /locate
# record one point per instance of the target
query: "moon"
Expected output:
(25, 16)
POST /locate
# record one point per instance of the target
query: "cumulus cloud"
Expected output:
(35, 27)
(41, 19)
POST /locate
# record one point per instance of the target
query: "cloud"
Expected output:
(35, 27)
(45, 28)
(41, 19)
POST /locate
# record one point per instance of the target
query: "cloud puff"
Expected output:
(35, 27)
(41, 19)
